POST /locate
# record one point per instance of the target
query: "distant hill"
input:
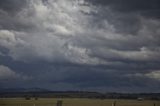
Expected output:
(44, 93)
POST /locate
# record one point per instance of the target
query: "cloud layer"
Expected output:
(82, 44)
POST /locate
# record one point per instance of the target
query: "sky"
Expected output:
(86, 45)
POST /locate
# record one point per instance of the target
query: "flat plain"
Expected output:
(75, 102)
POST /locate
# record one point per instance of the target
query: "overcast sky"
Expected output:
(94, 45)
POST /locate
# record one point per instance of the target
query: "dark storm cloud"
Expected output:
(12, 6)
(72, 45)
(125, 13)
(121, 78)
(88, 77)
(9, 10)
(130, 5)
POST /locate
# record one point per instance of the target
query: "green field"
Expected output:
(75, 102)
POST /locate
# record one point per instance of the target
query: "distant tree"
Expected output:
(36, 98)
(27, 98)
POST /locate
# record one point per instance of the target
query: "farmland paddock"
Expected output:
(114, 103)
(59, 102)
(75, 102)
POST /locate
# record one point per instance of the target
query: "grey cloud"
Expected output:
(97, 78)
(125, 13)
(12, 6)
(78, 44)
(7, 74)
(129, 5)
(86, 77)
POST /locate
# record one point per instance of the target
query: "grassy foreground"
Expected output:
(75, 102)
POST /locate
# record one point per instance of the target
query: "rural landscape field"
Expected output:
(76, 102)
(79, 52)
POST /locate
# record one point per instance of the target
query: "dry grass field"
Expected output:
(75, 102)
